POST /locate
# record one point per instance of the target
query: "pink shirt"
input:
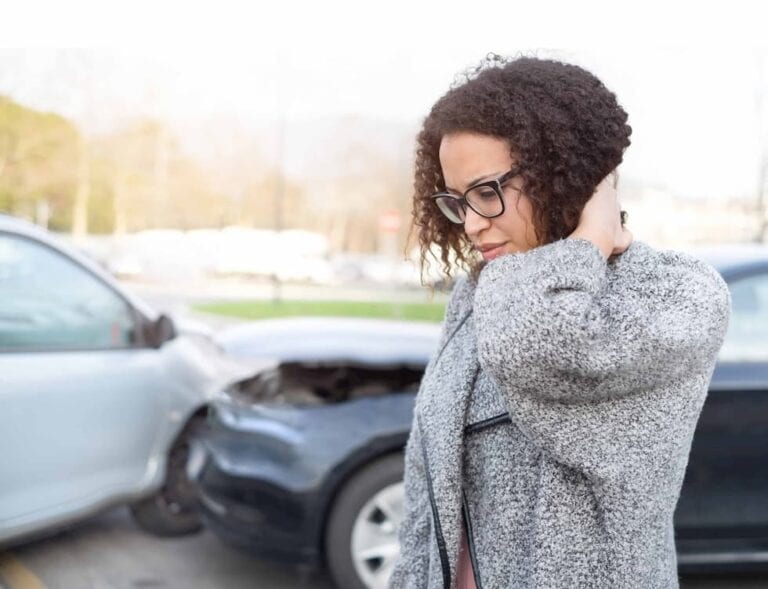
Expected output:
(465, 578)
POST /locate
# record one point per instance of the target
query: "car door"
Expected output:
(81, 403)
(725, 492)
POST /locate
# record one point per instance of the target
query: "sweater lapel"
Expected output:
(442, 407)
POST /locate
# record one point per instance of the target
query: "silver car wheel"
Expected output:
(375, 544)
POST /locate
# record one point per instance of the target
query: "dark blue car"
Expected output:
(303, 462)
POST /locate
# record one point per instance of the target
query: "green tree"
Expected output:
(38, 163)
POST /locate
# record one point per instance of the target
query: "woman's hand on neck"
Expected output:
(600, 221)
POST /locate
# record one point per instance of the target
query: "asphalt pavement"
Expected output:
(110, 552)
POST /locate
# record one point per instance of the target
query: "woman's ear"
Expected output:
(622, 214)
(570, 220)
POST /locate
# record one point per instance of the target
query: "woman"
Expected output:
(553, 426)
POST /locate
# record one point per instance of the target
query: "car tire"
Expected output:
(368, 509)
(171, 511)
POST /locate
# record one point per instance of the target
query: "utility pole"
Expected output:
(160, 175)
(82, 63)
(83, 191)
(279, 195)
(279, 188)
(762, 162)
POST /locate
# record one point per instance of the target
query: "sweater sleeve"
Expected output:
(411, 568)
(545, 328)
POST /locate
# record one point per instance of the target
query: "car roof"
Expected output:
(9, 223)
(29, 230)
(369, 341)
(730, 258)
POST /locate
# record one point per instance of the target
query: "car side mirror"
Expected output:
(161, 330)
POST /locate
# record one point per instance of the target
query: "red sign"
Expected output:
(389, 221)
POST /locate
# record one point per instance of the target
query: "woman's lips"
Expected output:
(493, 252)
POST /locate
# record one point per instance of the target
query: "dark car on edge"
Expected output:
(302, 463)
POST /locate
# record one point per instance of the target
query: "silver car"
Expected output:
(99, 393)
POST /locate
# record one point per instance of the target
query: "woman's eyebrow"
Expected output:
(476, 181)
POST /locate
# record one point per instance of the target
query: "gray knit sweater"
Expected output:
(558, 414)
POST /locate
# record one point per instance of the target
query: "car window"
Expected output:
(748, 326)
(49, 302)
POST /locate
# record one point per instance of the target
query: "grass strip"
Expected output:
(260, 309)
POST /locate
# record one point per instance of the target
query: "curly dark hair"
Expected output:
(564, 127)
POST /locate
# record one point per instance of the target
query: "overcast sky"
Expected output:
(692, 90)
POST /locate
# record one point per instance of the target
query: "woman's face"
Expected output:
(468, 158)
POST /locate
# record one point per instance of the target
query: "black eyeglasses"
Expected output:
(484, 198)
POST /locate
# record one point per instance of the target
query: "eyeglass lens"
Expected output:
(453, 208)
(484, 200)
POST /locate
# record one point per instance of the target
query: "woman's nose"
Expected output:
(474, 223)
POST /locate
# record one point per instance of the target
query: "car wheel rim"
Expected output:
(177, 496)
(374, 543)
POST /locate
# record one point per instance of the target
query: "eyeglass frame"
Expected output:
(497, 184)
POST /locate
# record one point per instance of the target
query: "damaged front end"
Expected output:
(306, 383)
(279, 445)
